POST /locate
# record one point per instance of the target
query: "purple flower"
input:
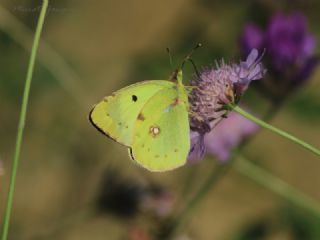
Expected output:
(252, 37)
(197, 149)
(288, 41)
(214, 89)
(289, 46)
(228, 134)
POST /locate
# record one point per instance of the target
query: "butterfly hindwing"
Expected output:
(116, 115)
(161, 134)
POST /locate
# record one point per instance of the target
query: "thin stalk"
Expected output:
(276, 185)
(22, 119)
(282, 133)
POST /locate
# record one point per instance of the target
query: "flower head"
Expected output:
(214, 88)
(289, 46)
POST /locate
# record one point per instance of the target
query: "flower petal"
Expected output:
(197, 148)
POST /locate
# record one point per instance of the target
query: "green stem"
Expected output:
(277, 130)
(276, 185)
(22, 120)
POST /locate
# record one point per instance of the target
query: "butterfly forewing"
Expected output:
(116, 115)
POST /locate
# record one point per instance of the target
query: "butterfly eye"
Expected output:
(134, 98)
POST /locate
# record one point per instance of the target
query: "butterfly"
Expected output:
(151, 119)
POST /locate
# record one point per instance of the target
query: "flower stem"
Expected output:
(22, 119)
(276, 130)
(276, 185)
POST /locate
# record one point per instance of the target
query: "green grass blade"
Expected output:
(23, 113)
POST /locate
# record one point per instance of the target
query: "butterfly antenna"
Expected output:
(187, 57)
(170, 58)
(194, 66)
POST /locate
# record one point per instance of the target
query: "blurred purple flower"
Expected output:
(228, 134)
(252, 37)
(214, 89)
(288, 43)
(197, 147)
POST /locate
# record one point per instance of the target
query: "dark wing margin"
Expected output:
(99, 129)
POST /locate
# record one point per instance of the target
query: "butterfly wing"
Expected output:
(116, 115)
(161, 136)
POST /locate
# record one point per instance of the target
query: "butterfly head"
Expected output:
(176, 76)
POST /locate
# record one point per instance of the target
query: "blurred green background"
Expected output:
(90, 49)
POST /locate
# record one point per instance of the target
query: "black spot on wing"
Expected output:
(134, 98)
